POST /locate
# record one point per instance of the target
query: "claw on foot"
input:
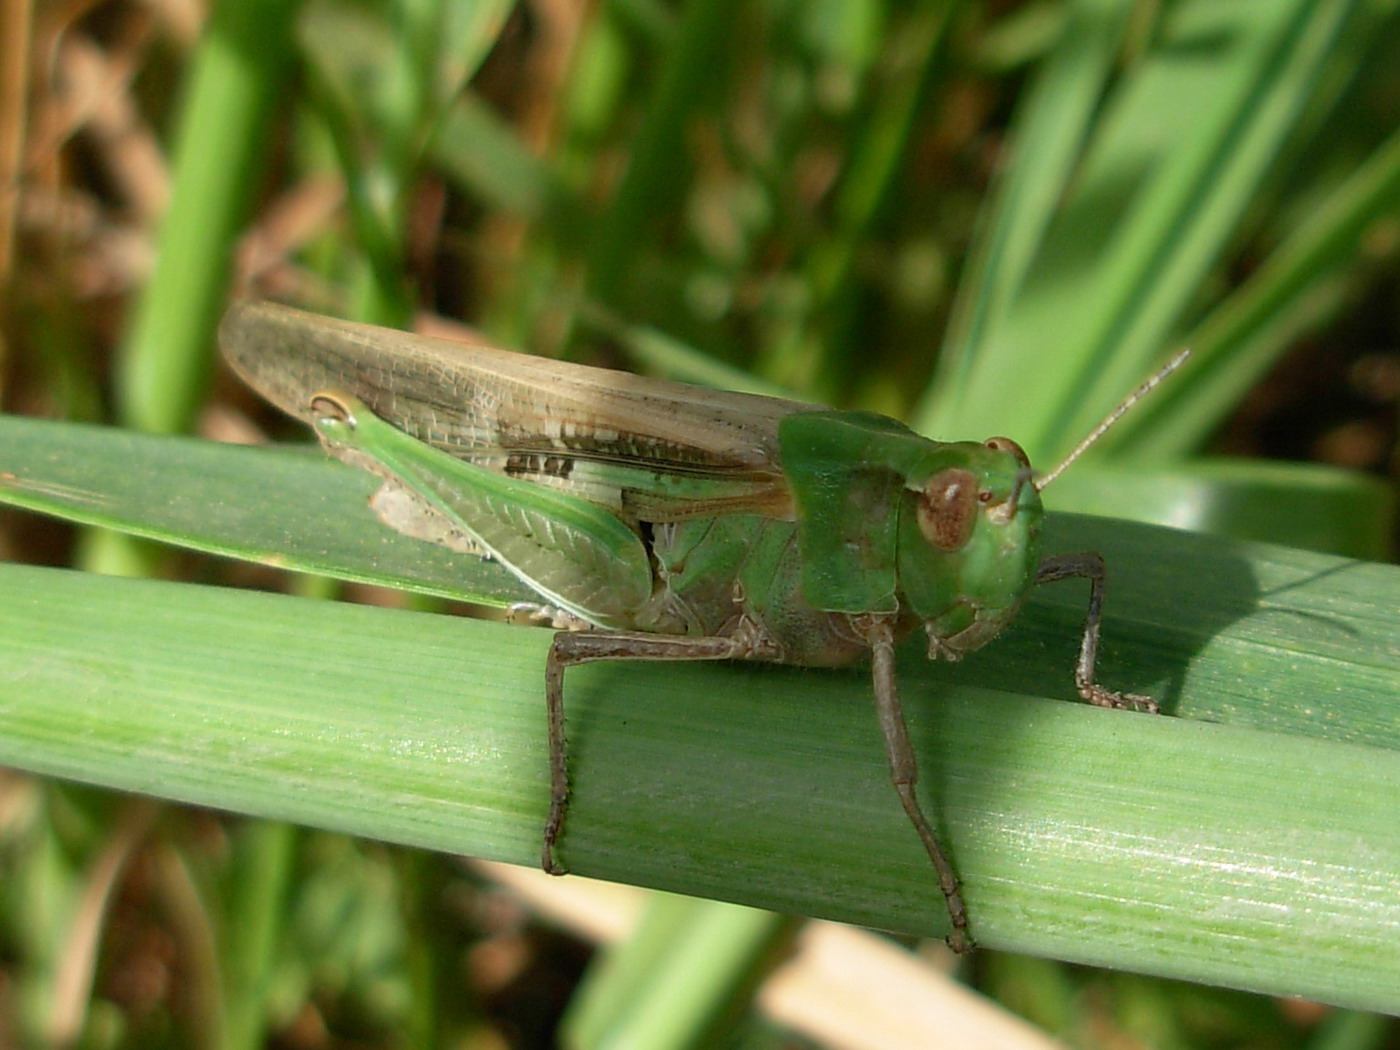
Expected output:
(959, 941)
(550, 863)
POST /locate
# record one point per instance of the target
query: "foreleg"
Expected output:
(1089, 565)
(878, 632)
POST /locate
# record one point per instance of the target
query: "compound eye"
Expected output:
(948, 509)
(1001, 444)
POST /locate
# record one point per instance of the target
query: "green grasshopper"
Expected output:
(680, 523)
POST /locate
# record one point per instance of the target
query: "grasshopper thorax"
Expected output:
(891, 522)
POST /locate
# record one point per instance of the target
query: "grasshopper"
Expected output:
(680, 523)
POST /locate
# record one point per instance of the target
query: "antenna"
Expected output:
(1112, 418)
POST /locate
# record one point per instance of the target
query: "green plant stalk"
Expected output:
(264, 864)
(1263, 638)
(1051, 124)
(1158, 844)
(238, 77)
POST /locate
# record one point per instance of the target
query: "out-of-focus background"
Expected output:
(980, 218)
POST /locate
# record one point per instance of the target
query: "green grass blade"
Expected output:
(1164, 845)
(1298, 504)
(1173, 165)
(663, 355)
(1045, 144)
(290, 507)
(265, 856)
(238, 78)
(1234, 346)
(677, 977)
(484, 157)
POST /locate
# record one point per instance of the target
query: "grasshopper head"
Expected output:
(969, 543)
(974, 557)
(945, 533)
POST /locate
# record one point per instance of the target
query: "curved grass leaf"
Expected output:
(287, 507)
